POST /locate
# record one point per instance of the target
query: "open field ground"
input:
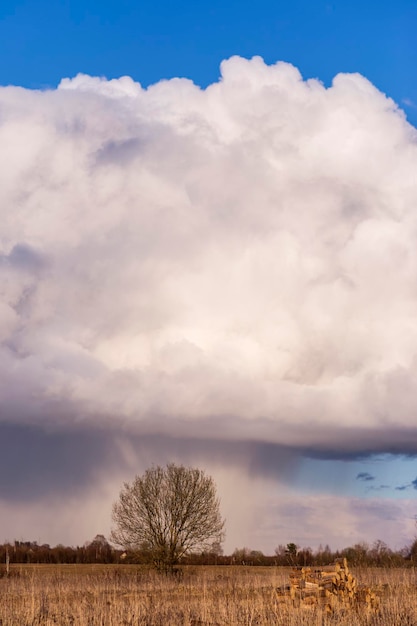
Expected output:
(111, 595)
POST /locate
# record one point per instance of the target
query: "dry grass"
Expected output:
(86, 595)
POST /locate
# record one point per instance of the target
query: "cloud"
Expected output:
(365, 476)
(36, 464)
(409, 103)
(231, 270)
(414, 483)
(244, 253)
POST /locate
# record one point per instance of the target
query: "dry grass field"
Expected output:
(88, 595)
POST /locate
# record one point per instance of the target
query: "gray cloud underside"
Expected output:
(35, 463)
(234, 267)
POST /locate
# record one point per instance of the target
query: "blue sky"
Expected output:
(391, 476)
(42, 41)
(224, 277)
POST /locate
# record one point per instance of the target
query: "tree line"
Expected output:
(99, 550)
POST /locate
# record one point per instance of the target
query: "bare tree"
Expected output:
(169, 512)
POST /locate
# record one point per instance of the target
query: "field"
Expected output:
(97, 595)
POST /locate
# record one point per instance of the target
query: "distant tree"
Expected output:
(256, 557)
(281, 555)
(380, 554)
(324, 556)
(280, 550)
(168, 512)
(291, 551)
(99, 550)
(411, 553)
(357, 554)
(305, 556)
(216, 551)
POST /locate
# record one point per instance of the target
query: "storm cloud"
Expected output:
(230, 269)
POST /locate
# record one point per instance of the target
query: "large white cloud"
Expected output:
(172, 257)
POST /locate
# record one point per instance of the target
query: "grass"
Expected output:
(97, 595)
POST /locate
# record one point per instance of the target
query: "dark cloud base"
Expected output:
(36, 463)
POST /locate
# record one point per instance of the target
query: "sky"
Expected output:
(208, 256)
